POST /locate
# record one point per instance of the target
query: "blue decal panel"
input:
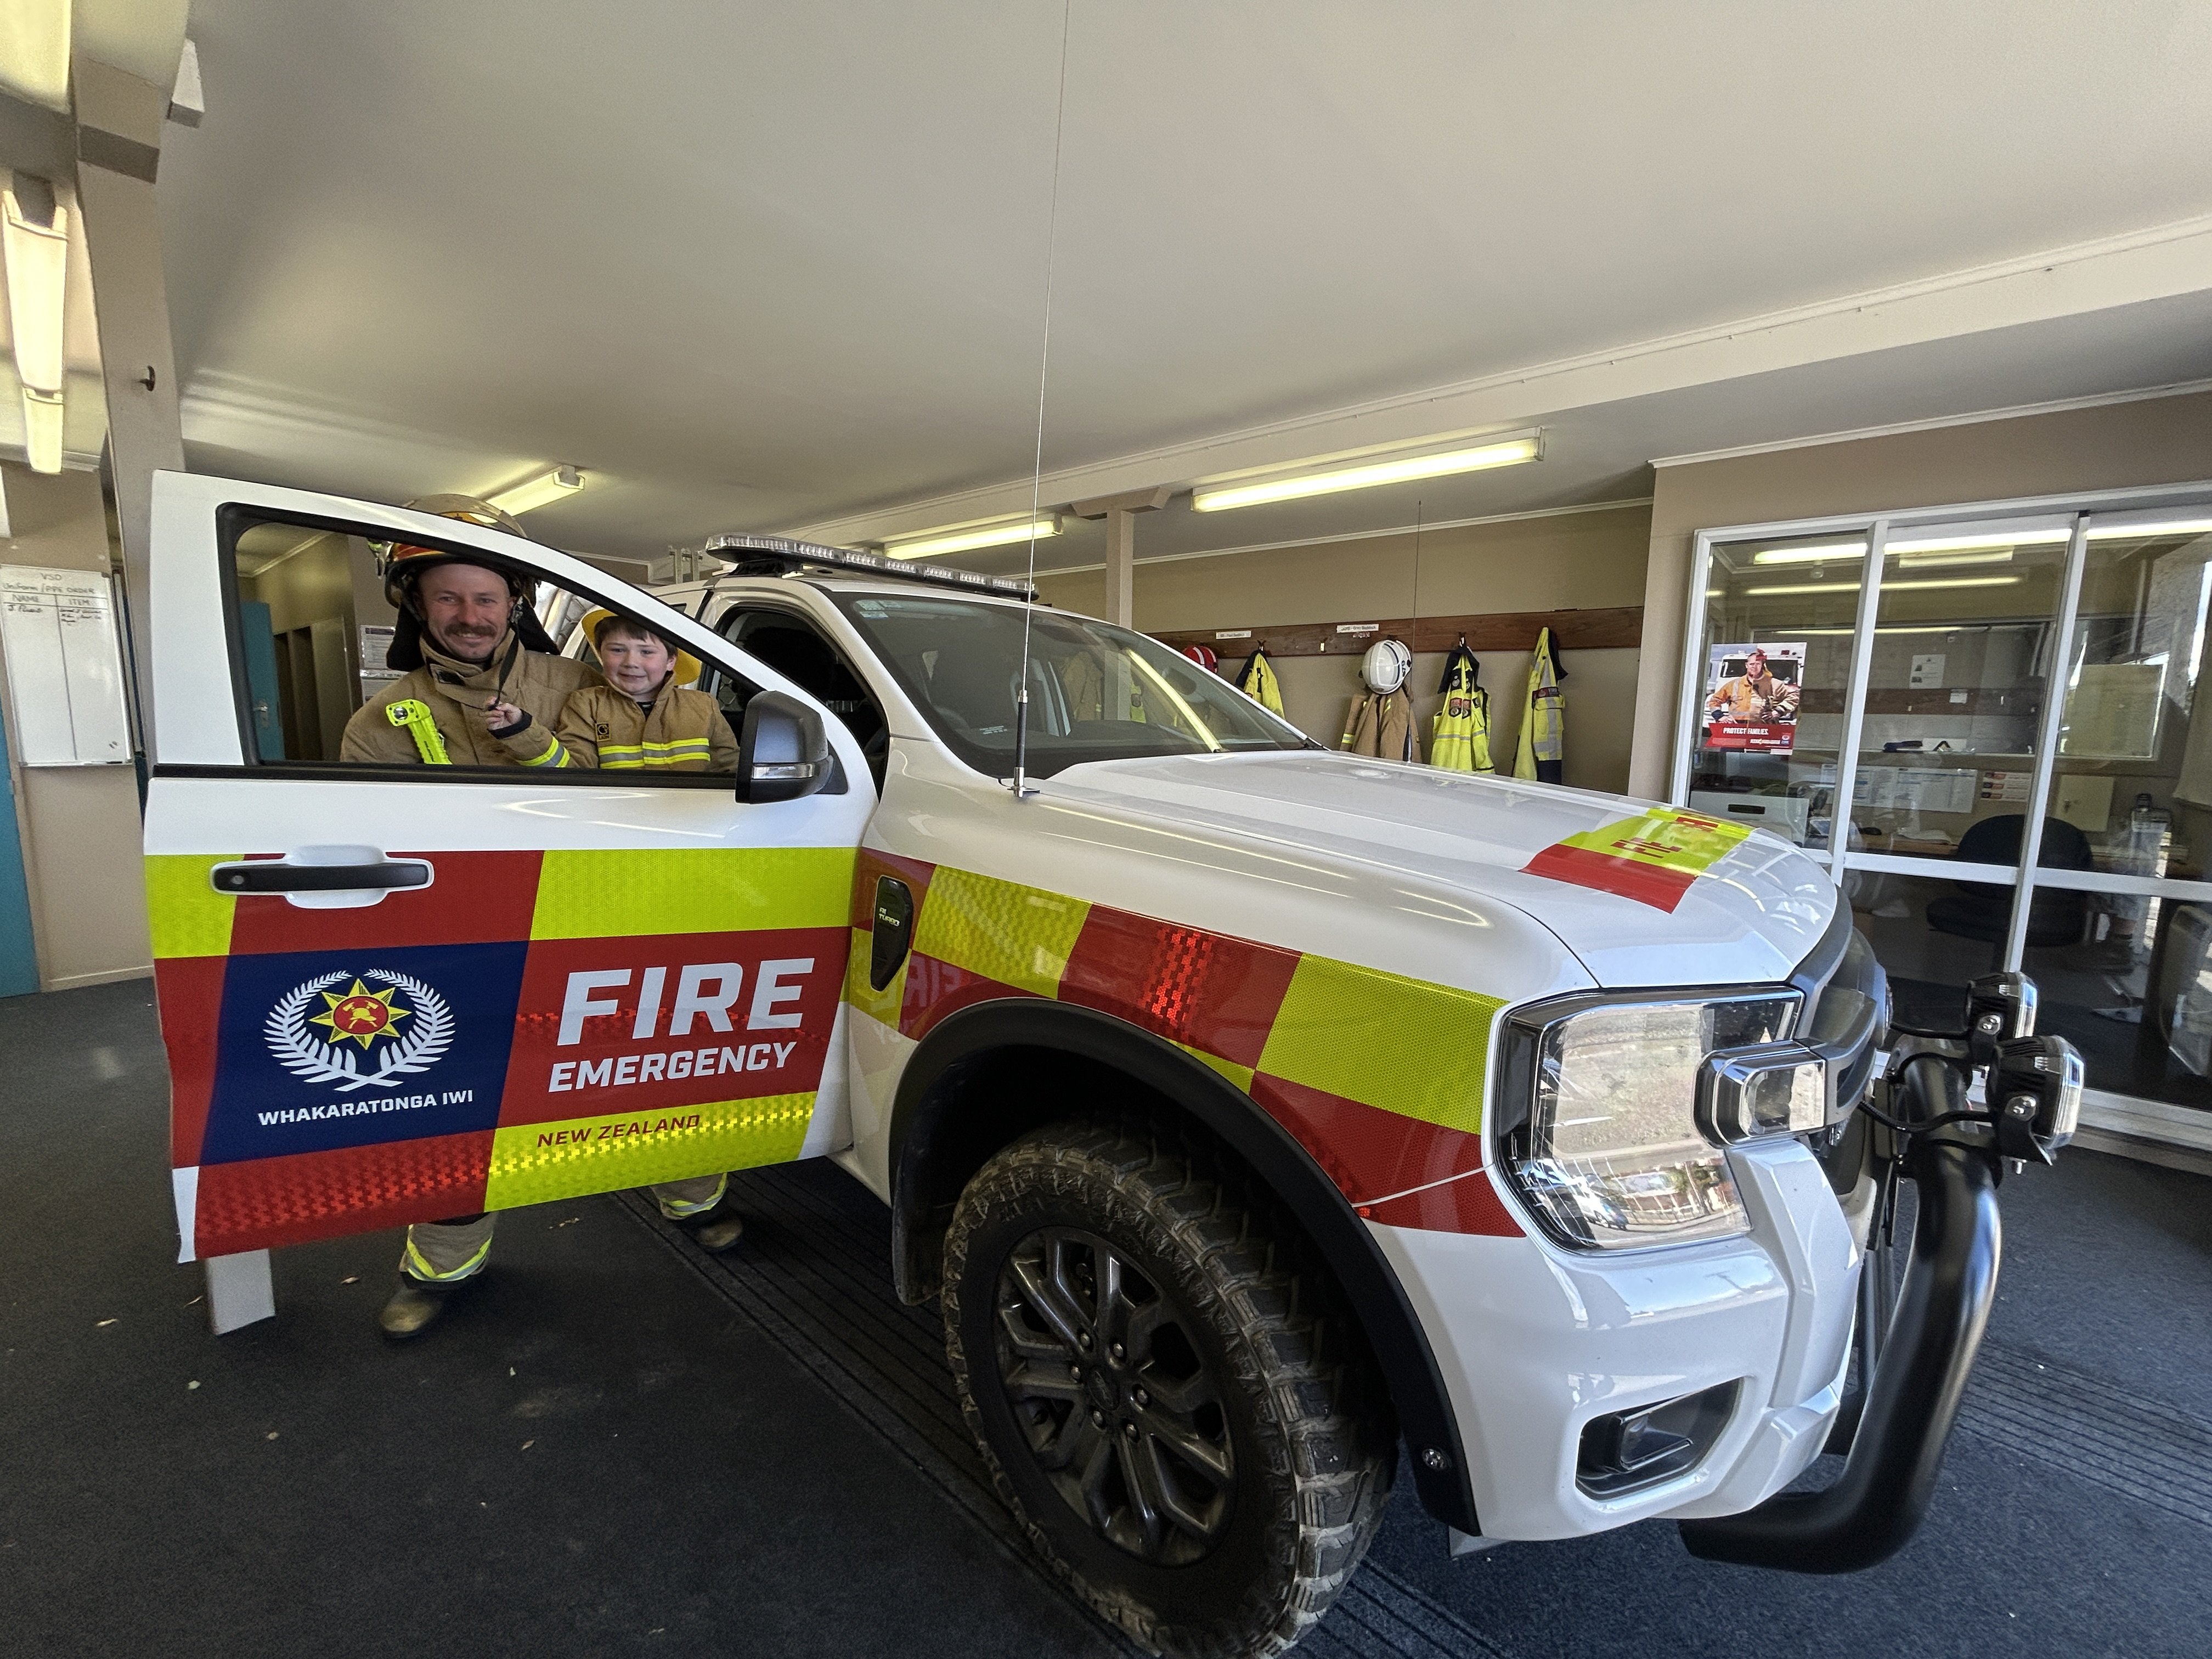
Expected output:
(319, 1049)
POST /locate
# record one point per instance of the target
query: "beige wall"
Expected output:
(80, 825)
(1591, 560)
(2114, 446)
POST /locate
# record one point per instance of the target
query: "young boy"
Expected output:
(641, 720)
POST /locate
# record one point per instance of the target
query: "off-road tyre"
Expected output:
(1310, 1444)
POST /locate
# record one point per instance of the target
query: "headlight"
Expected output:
(1600, 1111)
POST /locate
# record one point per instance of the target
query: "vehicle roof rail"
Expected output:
(779, 556)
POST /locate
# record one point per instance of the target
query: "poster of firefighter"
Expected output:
(1751, 697)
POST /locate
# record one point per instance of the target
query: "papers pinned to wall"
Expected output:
(1914, 789)
(65, 668)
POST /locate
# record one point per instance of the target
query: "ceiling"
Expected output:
(765, 267)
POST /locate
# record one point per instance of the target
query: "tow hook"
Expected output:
(1914, 1361)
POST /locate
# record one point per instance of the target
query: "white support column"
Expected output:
(1122, 566)
(1120, 513)
(120, 121)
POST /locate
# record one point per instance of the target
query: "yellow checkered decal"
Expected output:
(1400, 1044)
(187, 915)
(629, 892)
(538, 1163)
(1017, 936)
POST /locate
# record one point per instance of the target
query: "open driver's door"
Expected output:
(394, 993)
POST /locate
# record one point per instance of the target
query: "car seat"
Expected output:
(1980, 910)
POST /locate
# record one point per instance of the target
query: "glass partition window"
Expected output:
(1775, 666)
(1958, 677)
(1933, 938)
(2024, 681)
(2130, 977)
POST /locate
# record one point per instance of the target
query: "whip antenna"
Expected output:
(1036, 465)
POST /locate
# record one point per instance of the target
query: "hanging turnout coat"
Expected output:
(1542, 750)
(1381, 724)
(1257, 681)
(1459, 740)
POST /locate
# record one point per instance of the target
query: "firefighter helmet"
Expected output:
(403, 563)
(1386, 665)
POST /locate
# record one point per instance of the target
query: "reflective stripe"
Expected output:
(540, 1163)
(619, 756)
(419, 1268)
(187, 916)
(1014, 935)
(676, 1209)
(554, 755)
(1401, 1045)
(628, 892)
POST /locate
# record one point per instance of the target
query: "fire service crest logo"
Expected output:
(385, 1025)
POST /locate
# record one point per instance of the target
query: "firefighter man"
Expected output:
(484, 687)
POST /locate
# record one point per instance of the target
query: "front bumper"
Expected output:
(1535, 1341)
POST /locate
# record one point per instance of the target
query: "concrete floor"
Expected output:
(622, 1446)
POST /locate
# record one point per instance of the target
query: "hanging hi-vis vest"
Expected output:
(1542, 750)
(1258, 682)
(1459, 741)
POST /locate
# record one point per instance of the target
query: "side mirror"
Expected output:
(783, 753)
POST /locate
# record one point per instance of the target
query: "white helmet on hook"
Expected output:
(1386, 665)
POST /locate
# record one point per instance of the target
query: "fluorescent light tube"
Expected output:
(1937, 561)
(1889, 586)
(956, 540)
(1366, 475)
(1998, 547)
(37, 272)
(42, 429)
(1961, 544)
(1810, 555)
(2165, 527)
(561, 482)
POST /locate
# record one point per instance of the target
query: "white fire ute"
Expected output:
(1254, 1110)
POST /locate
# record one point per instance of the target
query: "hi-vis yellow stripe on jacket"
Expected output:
(682, 732)
(1459, 739)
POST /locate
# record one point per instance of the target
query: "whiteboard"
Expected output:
(65, 671)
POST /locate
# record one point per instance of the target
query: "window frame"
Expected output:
(234, 519)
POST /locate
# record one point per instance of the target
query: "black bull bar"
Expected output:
(1911, 1398)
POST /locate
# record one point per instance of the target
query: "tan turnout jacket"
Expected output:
(1381, 723)
(455, 693)
(684, 730)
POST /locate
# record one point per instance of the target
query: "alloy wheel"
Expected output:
(1118, 1406)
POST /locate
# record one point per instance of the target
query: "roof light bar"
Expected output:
(781, 553)
(1366, 475)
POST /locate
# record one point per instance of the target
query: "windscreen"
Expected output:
(1095, 692)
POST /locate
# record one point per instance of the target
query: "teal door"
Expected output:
(259, 640)
(19, 959)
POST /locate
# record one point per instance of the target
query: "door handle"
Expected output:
(271, 876)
